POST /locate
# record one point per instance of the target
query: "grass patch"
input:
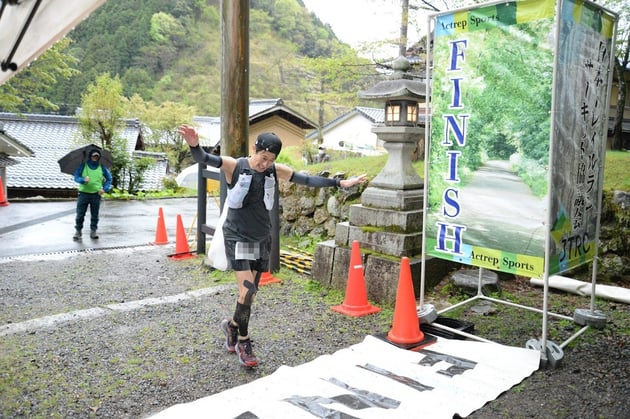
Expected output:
(616, 170)
(303, 243)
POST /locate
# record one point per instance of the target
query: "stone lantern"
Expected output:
(388, 221)
(397, 186)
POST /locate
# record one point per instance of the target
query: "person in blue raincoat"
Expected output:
(94, 180)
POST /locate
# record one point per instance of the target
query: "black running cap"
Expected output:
(268, 141)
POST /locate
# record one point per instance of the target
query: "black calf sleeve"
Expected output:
(257, 279)
(241, 317)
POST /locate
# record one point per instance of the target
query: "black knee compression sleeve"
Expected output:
(241, 317)
(252, 288)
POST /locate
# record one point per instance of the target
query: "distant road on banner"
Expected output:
(498, 206)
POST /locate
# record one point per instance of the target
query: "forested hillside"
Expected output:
(170, 50)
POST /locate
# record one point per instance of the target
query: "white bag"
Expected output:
(216, 254)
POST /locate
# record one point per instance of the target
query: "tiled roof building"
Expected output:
(50, 137)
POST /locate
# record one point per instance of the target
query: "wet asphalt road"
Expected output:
(36, 227)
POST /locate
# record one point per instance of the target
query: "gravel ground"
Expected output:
(115, 358)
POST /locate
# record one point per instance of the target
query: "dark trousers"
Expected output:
(93, 200)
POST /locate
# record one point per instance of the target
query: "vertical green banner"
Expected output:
(579, 132)
(491, 135)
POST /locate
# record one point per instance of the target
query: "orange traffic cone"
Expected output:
(356, 302)
(3, 198)
(268, 278)
(182, 250)
(405, 329)
(160, 233)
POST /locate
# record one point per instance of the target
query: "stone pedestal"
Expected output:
(389, 219)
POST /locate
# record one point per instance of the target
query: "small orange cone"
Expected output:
(3, 198)
(182, 250)
(268, 278)
(356, 303)
(160, 233)
(406, 326)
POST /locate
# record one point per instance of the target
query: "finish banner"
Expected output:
(517, 138)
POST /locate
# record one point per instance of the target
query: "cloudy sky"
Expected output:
(357, 22)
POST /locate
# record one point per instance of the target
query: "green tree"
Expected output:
(333, 82)
(161, 123)
(166, 29)
(137, 81)
(25, 92)
(292, 22)
(102, 110)
(164, 119)
(135, 172)
(101, 120)
(121, 163)
(621, 67)
(168, 50)
(622, 64)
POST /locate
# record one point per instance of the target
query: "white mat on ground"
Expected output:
(374, 379)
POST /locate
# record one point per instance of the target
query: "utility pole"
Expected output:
(234, 77)
(404, 24)
(235, 100)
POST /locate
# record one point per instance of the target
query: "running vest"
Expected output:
(96, 179)
(250, 197)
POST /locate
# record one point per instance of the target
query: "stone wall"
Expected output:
(315, 212)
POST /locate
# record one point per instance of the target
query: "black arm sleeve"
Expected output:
(201, 156)
(314, 181)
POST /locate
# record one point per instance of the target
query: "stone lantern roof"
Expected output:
(399, 86)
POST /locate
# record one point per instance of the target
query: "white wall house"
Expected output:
(352, 131)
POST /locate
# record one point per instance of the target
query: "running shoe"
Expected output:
(231, 334)
(245, 353)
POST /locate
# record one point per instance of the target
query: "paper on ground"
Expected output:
(374, 379)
